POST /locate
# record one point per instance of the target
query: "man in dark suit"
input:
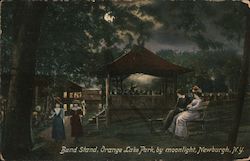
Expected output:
(181, 104)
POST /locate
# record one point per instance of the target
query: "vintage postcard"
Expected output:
(125, 80)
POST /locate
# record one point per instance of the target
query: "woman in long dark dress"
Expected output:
(58, 131)
(75, 122)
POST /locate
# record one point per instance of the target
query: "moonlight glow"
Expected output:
(108, 17)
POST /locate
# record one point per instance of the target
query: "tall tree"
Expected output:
(0, 50)
(26, 30)
(232, 139)
(218, 68)
(84, 43)
(54, 51)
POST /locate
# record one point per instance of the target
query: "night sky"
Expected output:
(163, 38)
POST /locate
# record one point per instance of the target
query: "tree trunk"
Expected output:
(1, 71)
(232, 139)
(0, 50)
(26, 30)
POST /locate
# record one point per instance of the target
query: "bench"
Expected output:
(201, 121)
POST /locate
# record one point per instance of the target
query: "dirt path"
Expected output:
(47, 133)
(51, 148)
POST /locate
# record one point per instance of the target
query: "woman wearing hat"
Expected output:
(75, 122)
(179, 127)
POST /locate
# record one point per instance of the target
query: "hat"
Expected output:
(180, 91)
(58, 100)
(196, 89)
(76, 101)
(74, 108)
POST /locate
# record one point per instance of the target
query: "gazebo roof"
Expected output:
(142, 60)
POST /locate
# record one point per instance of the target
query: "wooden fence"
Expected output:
(150, 106)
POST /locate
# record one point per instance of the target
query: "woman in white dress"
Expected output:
(178, 126)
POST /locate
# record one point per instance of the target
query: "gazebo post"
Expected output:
(165, 86)
(121, 84)
(107, 85)
(36, 95)
(175, 85)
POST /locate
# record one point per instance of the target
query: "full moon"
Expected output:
(108, 17)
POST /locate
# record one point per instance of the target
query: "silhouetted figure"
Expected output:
(178, 126)
(182, 102)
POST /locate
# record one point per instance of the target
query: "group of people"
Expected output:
(186, 109)
(58, 129)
